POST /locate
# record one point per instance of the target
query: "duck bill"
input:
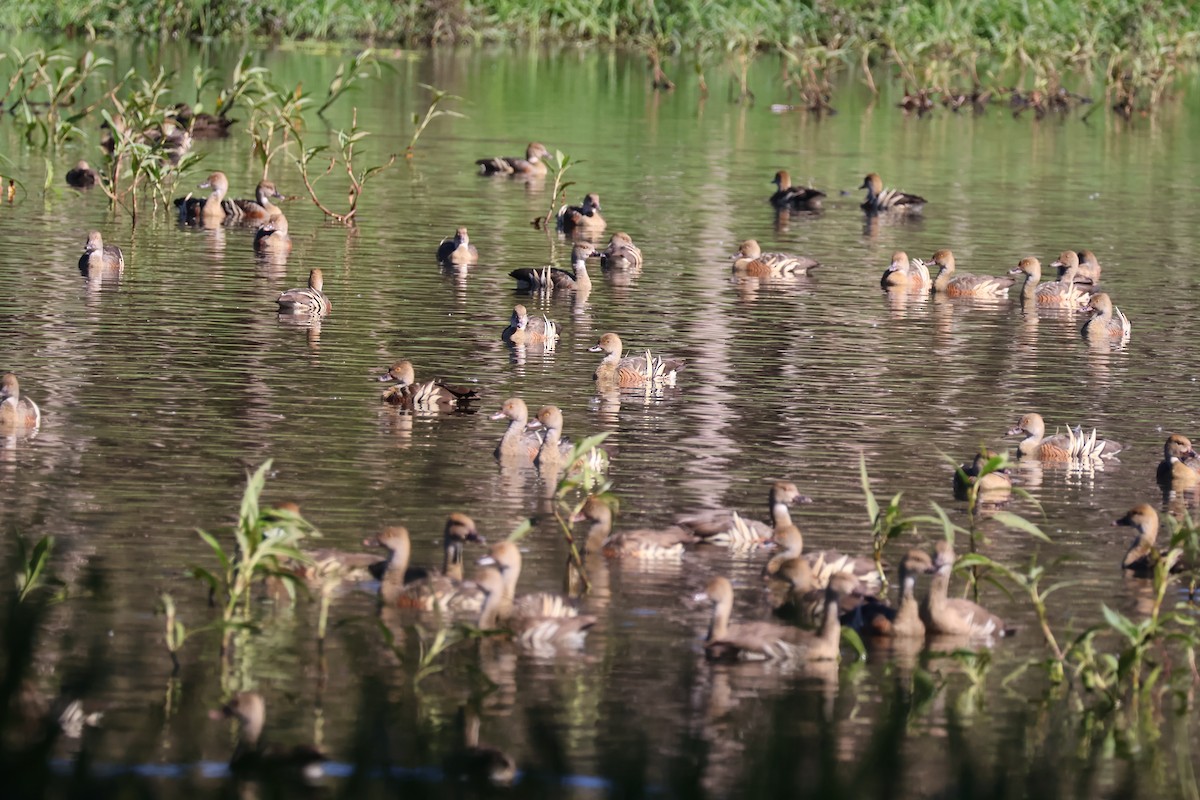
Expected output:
(1015, 271)
(497, 415)
(595, 349)
(1017, 431)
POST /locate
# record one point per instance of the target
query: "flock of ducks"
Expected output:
(822, 590)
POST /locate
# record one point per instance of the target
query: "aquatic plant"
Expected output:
(558, 196)
(33, 563)
(432, 112)
(264, 539)
(45, 91)
(343, 160)
(362, 65)
(887, 523)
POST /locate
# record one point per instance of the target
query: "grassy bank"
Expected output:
(1137, 45)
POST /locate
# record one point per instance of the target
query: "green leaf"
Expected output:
(1017, 522)
(872, 505)
(851, 637)
(216, 548)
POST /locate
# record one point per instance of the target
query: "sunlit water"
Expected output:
(158, 394)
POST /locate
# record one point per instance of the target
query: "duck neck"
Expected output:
(512, 436)
(392, 582)
(907, 610)
(719, 627)
(831, 625)
(452, 560)
(938, 589)
(597, 534)
(1030, 288)
(780, 515)
(942, 280)
(1029, 445)
(489, 613)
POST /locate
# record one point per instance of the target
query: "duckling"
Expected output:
(1074, 444)
(306, 301)
(769, 641)
(251, 756)
(100, 260)
(210, 210)
(905, 274)
(428, 396)
(1107, 322)
(824, 563)
(518, 442)
(946, 616)
(725, 527)
(272, 236)
(1059, 293)
(962, 285)
(584, 218)
(1180, 467)
(893, 200)
(531, 164)
(794, 198)
(552, 278)
(1142, 555)
(531, 632)
(457, 250)
(993, 486)
(82, 176)
(632, 371)
(621, 254)
(524, 329)
(643, 543)
(752, 262)
(16, 412)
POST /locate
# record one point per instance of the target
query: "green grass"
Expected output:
(1137, 45)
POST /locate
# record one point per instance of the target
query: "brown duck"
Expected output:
(457, 250)
(963, 285)
(531, 164)
(946, 616)
(794, 198)
(726, 527)
(1073, 444)
(427, 396)
(752, 262)
(891, 200)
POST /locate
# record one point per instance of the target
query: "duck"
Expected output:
(752, 262)
(633, 371)
(963, 285)
(272, 236)
(1180, 467)
(16, 412)
(1086, 267)
(1074, 444)
(306, 301)
(770, 641)
(209, 210)
(904, 621)
(893, 200)
(1142, 555)
(251, 756)
(621, 254)
(524, 329)
(905, 274)
(642, 544)
(82, 176)
(531, 632)
(550, 278)
(169, 137)
(727, 527)
(994, 484)
(479, 765)
(554, 447)
(202, 125)
(100, 260)
(531, 164)
(1107, 323)
(946, 616)
(457, 250)
(584, 218)
(427, 396)
(444, 591)
(506, 557)
(1062, 292)
(258, 210)
(824, 563)
(518, 442)
(794, 198)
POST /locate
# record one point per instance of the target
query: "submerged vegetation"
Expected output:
(956, 52)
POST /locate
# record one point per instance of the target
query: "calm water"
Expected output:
(158, 394)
